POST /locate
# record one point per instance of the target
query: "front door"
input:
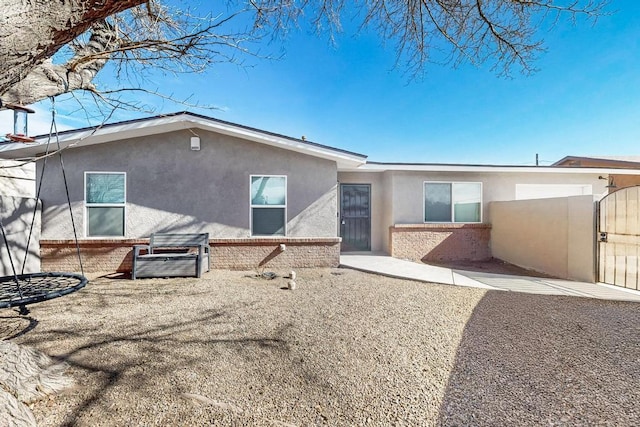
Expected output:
(355, 217)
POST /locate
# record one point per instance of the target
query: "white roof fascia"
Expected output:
(343, 159)
(92, 136)
(369, 167)
(173, 123)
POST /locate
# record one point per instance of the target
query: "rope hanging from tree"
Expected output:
(19, 290)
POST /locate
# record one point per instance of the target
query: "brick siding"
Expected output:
(106, 255)
(257, 253)
(440, 242)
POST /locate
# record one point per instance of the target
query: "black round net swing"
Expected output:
(22, 289)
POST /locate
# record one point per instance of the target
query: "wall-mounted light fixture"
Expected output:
(610, 184)
(195, 143)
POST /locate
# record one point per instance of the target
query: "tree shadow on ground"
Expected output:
(491, 265)
(136, 352)
(140, 357)
(545, 360)
(13, 325)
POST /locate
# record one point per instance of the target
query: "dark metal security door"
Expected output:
(355, 217)
(619, 238)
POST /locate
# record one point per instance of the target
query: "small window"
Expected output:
(268, 205)
(453, 202)
(105, 199)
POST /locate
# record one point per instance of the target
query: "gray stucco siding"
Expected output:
(172, 188)
(408, 188)
(397, 197)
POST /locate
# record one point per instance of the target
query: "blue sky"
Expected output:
(584, 99)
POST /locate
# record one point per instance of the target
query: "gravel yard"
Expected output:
(345, 348)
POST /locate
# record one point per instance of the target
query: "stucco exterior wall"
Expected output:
(17, 214)
(387, 211)
(173, 189)
(397, 219)
(407, 236)
(17, 179)
(554, 236)
(408, 189)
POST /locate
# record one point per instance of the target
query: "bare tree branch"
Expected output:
(49, 79)
(32, 32)
(143, 38)
(55, 47)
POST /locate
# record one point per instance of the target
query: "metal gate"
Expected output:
(619, 238)
(355, 217)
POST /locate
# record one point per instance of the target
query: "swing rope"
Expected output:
(66, 187)
(53, 130)
(13, 267)
(35, 207)
(41, 286)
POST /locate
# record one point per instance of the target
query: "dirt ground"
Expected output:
(345, 348)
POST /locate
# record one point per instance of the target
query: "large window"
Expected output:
(268, 205)
(452, 202)
(105, 198)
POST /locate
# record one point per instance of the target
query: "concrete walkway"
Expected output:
(393, 267)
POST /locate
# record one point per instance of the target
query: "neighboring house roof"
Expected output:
(625, 162)
(180, 121)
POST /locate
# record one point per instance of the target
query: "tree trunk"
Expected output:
(49, 79)
(32, 31)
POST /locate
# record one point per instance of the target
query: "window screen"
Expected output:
(105, 200)
(268, 205)
(437, 202)
(453, 202)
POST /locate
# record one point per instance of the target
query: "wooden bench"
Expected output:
(172, 255)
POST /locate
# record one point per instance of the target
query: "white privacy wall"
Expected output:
(17, 215)
(553, 236)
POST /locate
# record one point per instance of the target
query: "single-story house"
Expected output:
(254, 190)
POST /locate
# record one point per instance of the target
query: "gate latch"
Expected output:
(603, 236)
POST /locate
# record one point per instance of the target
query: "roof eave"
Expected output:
(181, 121)
(404, 167)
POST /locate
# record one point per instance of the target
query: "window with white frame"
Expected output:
(453, 202)
(268, 205)
(105, 199)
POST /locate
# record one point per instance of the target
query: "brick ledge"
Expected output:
(214, 241)
(441, 226)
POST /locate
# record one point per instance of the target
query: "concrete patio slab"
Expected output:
(402, 269)
(393, 267)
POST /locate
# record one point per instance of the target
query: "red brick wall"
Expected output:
(440, 242)
(243, 254)
(102, 255)
(106, 255)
